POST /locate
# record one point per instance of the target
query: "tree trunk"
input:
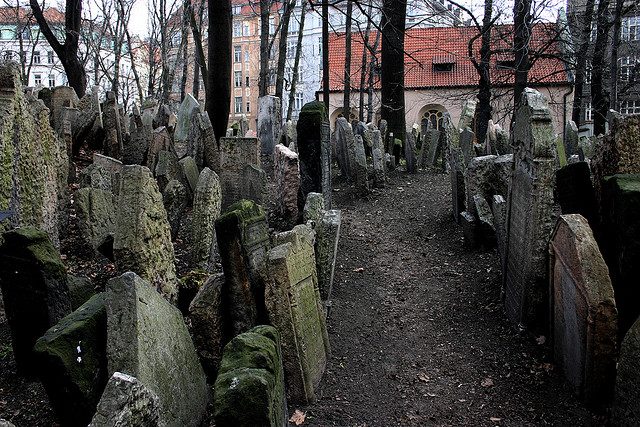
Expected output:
(581, 61)
(282, 45)
(372, 68)
(296, 62)
(363, 72)
(521, 36)
(325, 53)
(346, 105)
(263, 79)
(393, 111)
(219, 83)
(599, 97)
(484, 93)
(185, 55)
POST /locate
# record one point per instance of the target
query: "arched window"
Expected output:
(433, 115)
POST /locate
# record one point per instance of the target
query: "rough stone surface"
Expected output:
(235, 155)
(486, 229)
(206, 208)
(499, 211)
(72, 362)
(142, 241)
(583, 311)
(467, 115)
(480, 178)
(287, 180)
(571, 138)
(80, 290)
(295, 309)
(191, 172)
(467, 145)
(250, 387)
(127, 402)
(456, 175)
(147, 338)
(379, 164)
(360, 166)
(314, 208)
(134, 150)
(269, 122)
(174, 200)
(327, 237)
(160, 141)
(184, 117)
(344, 146)
(96, 213)
(34, 289)
(626, 402)
(98, 177)
(168, 168)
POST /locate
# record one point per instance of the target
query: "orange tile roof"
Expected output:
(425, 47)
(8, 15)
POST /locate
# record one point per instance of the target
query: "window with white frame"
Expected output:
(630, 107)
(237, 9)
(248, 107)
(630, 28)
(37, 79)
(246, 83)
(587, 74)
(588, 112)
(298, 101)
(238, 105)
(50, 58)
(245, 29)
(36, 56)
(246, 56)
(319, 46)
(291, 48)
(52, 80)
(237, 78)
(294, 24)
(627, 67)
(272, 25)
(237, 54)
(237, 29)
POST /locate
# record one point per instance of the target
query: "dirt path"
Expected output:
(417, 327)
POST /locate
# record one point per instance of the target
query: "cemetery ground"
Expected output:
(417, 327)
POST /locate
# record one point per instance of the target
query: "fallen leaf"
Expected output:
(298, 417)
(495, 420)
(487, 382)
(541, 339)
(423, 377)
(358, 270)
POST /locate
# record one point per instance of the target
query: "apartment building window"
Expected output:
(246, 56)
(36, 57)
(587, 74)
(245, 29)
(588, 112)
(319, 46)
(237, 78)
(292, 45)
(630, 107)
(298, 101)
(248, 107)
(238, 105)
(50, 58)
(37, 79)
(237, 29)
(246, 82)
(630, 28)
(627, 66)
(272, 25)
(294, 24)
(52, 80)
(237, 9)
(237, 54)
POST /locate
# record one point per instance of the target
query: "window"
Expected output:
(319, 46)
(298, 101)
(435, 116)
(26, 34)
(237, 78)
(237, 54)
(446, 67)
(627, 67)
(272, 25)
(237, 9)
(291, 48)
(294, 25)
(50, 58)
(630, 107)
(246, 82)
(237, 29)
(248, 107)
(587, 74)
(238, 105)
(630, 28)
(272, 52)
(8, 55)
(36, 57)
(588, 112)
(246, 56)
(245, 29)
(52, 80)
(37, 79)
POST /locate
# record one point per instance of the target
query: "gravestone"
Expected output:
(410, 152)
(583, 311)
(467, 115)
(436, 145)
(160, 141)
(379, 164)
(480, 178)
(287, 180)
(191, 172)
(314, 153)
(345, 147)
(148, 339)
(466, 144)
(96, 176)
(185, 113)
(243, 239)
(96, 213)
(34, 290)
(502, 138)
(626, 401)
(253, 184)
(167, 169)
(295, 309)
(499, 211)
(80, 290)
(250, 388)
(174, 200)
(235, 155)
(426, 141)
(486, 230)
(571, 138)
(456, 175)
(142, 242)
(575, 192)
(360, 166)
(327, 236)
(112, 165)
(313, 209)
(112, 126)
(201, 141)
(72, 362)
(206, 208)
(469, 225)
(530, 212)
(269, 122)
(134, 150)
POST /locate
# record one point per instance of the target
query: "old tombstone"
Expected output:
(426, 141)
(72, 362)
(235, 155)
(327, 236)
(436, 145)
(314, 208)
(174, 200)
(269, 122)
(80, 290)
(34, 290)
(191, 172)
(36, 166)
(502, 141)
(185, 113)
(201, 141)
(96, 213)
(466, 144)
(360, 166)
(112, 126)
(626, 400)
(314, 153)
(480, 179)
(467, 116)
(253, 184)
(148, 339)
(486, 230)
(161, 118)
(469, 224)
(205, 312)
(582, 311)
(98, 177)
(206, 208)
(345, 147)
(530, 212)
(243, 239)
(295, 309)
(134, 150)
(571, 138)
(575, 192)
(379, 164)
(250, 387)
(168, 168)
(287, 180)
(499, 211)
(90, 115)
(142, 241)
(457, 177)
(160, 141)
(410, 153)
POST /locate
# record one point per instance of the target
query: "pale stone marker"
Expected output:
(328, 234)
(287, 179)
(206, 209)
(96, 213)
(584, 319)
(314, 208)
(184, 116)
(269, 122)
(345, 147)
(467, 115)
(235, 155)
(571, 138)
(360, 166)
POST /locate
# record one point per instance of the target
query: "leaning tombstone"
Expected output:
(34, 289)
(360, 166)
(467, 116)
(327, 236)
(174, 199)
(467, 145)
(583, 311)
(313, 209)
(287, 180)
(96, 213)
(626, 400)
(191, 172)
(410, 152)
(269, 122)
(295, 309)
(160, 141)
(571, 138)
(486, 230)
(184, 117)
(206, 208)
(168, 168)
(148, 339)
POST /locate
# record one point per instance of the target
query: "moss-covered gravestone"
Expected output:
(34, 288)
(249, 390)
(72, 362)
(96, 214)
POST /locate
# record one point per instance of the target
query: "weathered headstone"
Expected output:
(345, 147)
(410, 153)
(327, 236)
(98, 177)
(167, 169)
(379, 164)
(626, 401)
(191, 172)
(243, 239)
(184, 117)
(467, 115)
(530, 212)
(583, 311)
(147, 338)
(571, 138)
(253, 184)
(360, 166)
(250, 387)
(269, 122)
(435, 146)
(502, 138)
(206, 208)
(80, 290)
(287, 180)
(201, 141)
(235, 155)
(174, 199)
(314, 208)
(314, 153)
(134, 150)
(112, 126)
(466, 143)
(72, 362)
(499, 211)
(160, 141)
(96, 213)
(143, 236)
(456, 175)
(480, 178)
(486, 230)
(34, 290)
(469, 225)
(427, 131)
(295, 309)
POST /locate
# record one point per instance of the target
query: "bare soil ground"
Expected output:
(417, 326)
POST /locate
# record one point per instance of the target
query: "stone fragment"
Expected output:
(379, 166)
(174, 200)
(571, 138)
(360, 166)
(72, 362)
(345, 147)
(96, 213)
(295, 309)
(469, 230)
(201, 141)
(287, 180)
(235, 155)
(583, 311)
(147, 338)
(80, 290)
(98, 177)
(269, 122)
(250, 387)
(34, 290)
(467, 145)
(191, 172)
(160, 141)
(206, 208)
(314, 208)
(328, 234)
(486, 230)
(499, 210)
(143, 236)
(184, 117)
(626, 401)
(467, 116)
(167, 169)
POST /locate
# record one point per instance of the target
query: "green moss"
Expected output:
(251, 350)
(34, 244)
(242, 212)
(194, 279)
(312, 114)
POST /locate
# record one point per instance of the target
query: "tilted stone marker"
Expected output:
(34, 289)
(379, 164)
(142, 242)
(467, 145)
(71, 359)
(287, 179)
(571, 138)
(191, 172)
(235, 155)
(530, 212)
(96, 213)
(206, 208)
(184, 117)
(295, 309)
(174, 200)
(243, 239)
(314, 208)
(328, 234)
(583, 311)
(345, 148)
(269, 122)
(486, 229)
(160, 141)
(360, 166)
(168, 168)
(467, 115)
(147, 339)
(626, 401)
